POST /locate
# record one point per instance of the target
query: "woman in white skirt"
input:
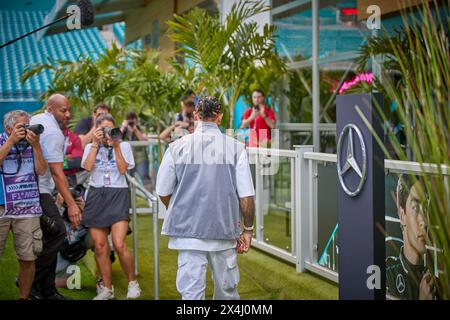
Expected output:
(108, 203)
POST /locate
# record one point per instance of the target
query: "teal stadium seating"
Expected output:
(16, 57)
(18, 20)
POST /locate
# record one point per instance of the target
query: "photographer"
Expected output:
(85, 127)
(76, 243)
(184, 121)
(21, 160)
(108, 203)
(53, 144)
(260, 119)
(131, 129)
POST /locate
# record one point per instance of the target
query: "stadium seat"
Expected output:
(14, 58)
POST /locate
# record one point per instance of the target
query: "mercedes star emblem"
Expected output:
(400, 283)
(350, 159)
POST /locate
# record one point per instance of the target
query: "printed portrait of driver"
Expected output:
(407, 276)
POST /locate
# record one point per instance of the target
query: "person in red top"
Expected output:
(260, 119)
(74, 153)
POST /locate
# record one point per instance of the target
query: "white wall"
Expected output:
(261, 19)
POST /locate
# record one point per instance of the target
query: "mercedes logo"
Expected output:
(400, 283)
(351, 162)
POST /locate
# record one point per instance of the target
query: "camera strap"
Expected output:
(18, 160)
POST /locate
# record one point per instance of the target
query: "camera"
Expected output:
(113, 133)
(77, 191)
(256, 107)
(35, 128)
(49, 225)
(131, 123)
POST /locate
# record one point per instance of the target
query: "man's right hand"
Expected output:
(245, 242)
(18, 133)
(74, 214)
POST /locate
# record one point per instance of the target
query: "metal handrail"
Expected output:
(319, 156)
(141, 188)
(153, 203)
(417, 167)
(389, 164)
(149, 142)
(287, 126)
(272, 152)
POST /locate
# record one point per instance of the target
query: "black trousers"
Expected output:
(44, 280)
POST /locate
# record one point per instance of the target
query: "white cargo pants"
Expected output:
(191, 275)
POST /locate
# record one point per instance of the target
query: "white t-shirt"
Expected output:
(105, 167)
(166, 186)
(52, 143)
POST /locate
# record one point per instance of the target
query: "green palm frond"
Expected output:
(383, 46)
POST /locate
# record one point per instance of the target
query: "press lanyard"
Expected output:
(66, 143)
(105, 160)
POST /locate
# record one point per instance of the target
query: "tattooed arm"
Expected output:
(247, 205)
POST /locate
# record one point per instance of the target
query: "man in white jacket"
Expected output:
(205, 182)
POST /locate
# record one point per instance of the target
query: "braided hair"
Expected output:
(208, 107)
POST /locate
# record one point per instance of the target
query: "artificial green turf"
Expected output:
(262, 276)
(275, 229)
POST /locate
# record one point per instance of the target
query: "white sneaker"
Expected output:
(105, 293)
(99, 285)
(134, 291)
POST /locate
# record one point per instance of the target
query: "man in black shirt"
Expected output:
(85, 127)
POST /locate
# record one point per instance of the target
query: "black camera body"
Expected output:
(77, 191)
(49, 225)
(35, 128)
(256, 107)
(113, 133)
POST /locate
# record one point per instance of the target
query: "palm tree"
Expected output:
(127, 80)
(158, 91)
(88, 81)
(225, 53)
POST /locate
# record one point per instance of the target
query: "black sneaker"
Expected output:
(57, 296)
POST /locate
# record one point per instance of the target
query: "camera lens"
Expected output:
(35, 128)
(113, 133)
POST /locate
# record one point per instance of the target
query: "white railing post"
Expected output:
(134, 217)
(155, 205)
(259, 199)
(302, 206)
